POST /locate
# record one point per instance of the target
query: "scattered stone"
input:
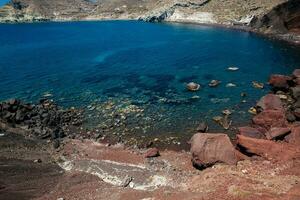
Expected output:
(193, 86)
(150, 153)
(296, 92)
(252, 111)
(232, 68)
(60, 198)
(223, 121)
(274, 133)
(258, 85)
(270, 102)
(202, 128)
(279, 81)
(251, 132)
(210, 148)
(268, 149)
(214, 83)
(282, 96)
(227, 112)
(2, 134)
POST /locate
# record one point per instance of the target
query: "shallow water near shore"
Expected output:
(130, 76)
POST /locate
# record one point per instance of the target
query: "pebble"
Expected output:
(214, 83)
(193, 86)
(252, 110)
(2, 134)
(257, 85)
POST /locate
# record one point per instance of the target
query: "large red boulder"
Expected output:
(270, 102)
(294, 136)
(270, 118)
(251, 132)
(269, 149)
(279, 81)
(210, 148)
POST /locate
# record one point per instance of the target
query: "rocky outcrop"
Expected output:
(269, 149)
(44, 120)
(282, 21)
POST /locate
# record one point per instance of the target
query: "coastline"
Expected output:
(292, 39)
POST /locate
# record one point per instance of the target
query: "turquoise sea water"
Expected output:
(139, 70)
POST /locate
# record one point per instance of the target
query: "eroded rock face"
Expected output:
(210, 148)
(268, 149)
(284, 18)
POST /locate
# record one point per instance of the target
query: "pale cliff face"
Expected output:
(257, 13)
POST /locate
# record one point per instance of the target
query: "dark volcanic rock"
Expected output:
(210, 148)
(44, 120)
(284, 18)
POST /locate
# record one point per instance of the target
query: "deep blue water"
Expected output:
(115, 66)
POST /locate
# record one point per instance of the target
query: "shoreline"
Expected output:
(288, 38)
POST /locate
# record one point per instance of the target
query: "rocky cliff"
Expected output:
(272, 16)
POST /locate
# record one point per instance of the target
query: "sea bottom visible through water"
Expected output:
(130, 77)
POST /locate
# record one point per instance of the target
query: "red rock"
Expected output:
(251, 132)
(294, 136)
(279, 81)
(153, 152)
(270, 102)
(268, 149)
(270, 118)
(210, 148)
(274, 133)
(296, 73)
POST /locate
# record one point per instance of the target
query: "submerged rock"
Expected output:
(257, 85)
(214, 83)
(193, 86)
(232, 68)
(210, 148)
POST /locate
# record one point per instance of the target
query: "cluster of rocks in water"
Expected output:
(273, 134)
(44, 120)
